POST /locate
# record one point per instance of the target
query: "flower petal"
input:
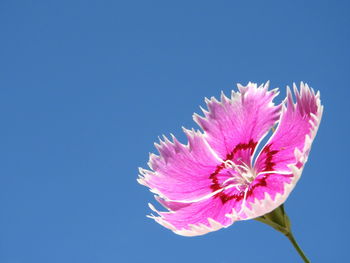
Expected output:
(281, 161)
(296, 130)
(267, 192)
(200, 186)
(196, 218)
(181, 172)
(235, 125)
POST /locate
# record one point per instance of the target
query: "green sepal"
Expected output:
(277, 219)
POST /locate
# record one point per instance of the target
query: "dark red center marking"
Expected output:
(269, 164)
(230, 156)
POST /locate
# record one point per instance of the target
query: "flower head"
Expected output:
(213, 181)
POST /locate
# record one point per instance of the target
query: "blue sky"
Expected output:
(86, 87)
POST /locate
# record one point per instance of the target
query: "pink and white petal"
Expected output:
(234, 126)
(263, 200)
(195, 218)
(286, 152)
(294, 135)
(265, 184)
(181, 172)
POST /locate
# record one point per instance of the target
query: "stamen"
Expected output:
(231, 164)
(246, 174)
(232, 185)
(229, 179)
(245, 165)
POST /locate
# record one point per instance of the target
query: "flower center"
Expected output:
(243, 174)
(232, 181)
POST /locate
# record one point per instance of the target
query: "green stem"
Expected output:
(278, 219)
(296, 246)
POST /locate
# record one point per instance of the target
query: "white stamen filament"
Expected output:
(245, 165)
(231, 164)
(229, 179)
(247, 175)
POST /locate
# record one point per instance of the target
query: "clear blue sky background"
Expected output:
(87, 86)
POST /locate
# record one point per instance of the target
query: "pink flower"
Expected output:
(213, 181)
